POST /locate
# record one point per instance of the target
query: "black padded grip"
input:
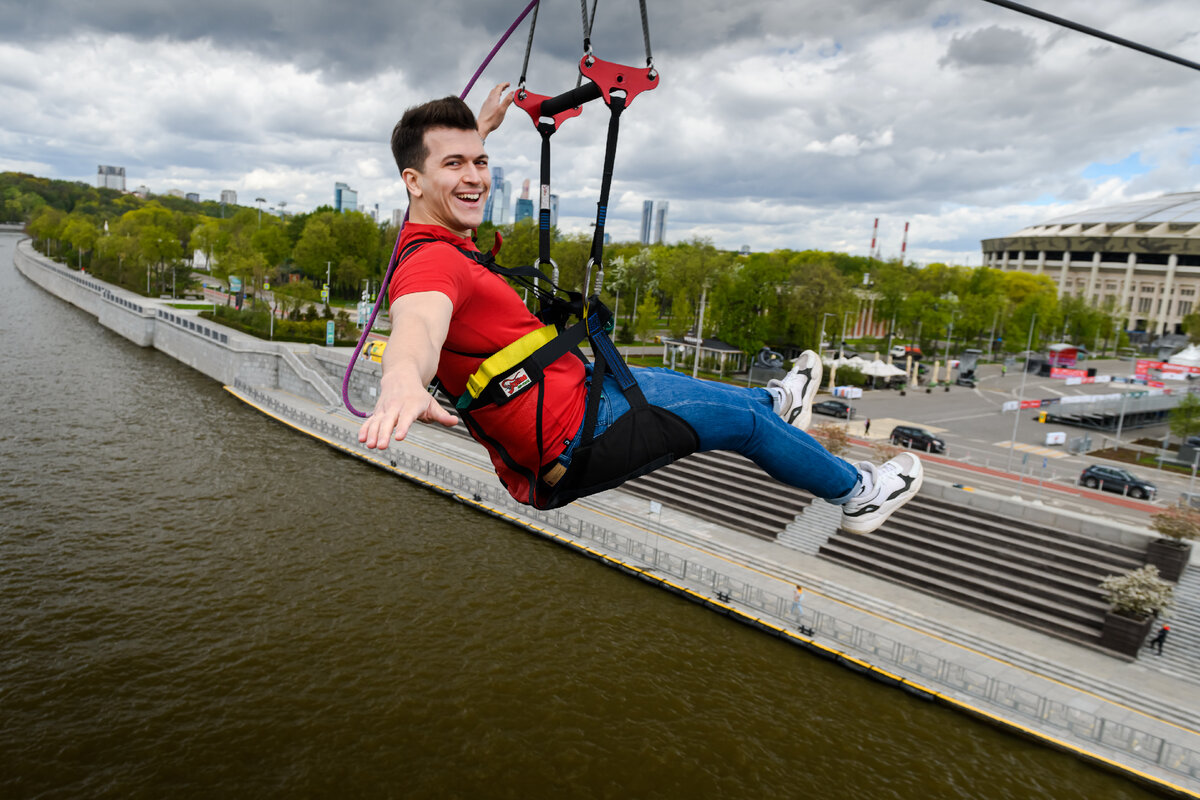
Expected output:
(575, 97)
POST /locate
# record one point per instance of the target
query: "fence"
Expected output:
(934, 670)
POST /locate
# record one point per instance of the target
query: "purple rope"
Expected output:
(362, 340)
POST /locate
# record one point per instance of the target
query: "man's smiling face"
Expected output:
(452, 186)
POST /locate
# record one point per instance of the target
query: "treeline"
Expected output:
(778, 299)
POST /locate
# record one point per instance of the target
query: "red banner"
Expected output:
(1145, 365)
(1063, 372)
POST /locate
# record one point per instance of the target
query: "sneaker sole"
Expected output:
(801, 415)
(893, 504)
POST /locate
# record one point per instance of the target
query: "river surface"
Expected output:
(196, 601)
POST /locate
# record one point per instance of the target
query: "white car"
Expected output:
(900, 351)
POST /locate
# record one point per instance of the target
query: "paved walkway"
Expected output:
(1142, 721)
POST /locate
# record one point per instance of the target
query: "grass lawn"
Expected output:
(1138, 459)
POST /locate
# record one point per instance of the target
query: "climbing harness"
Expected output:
(643, 439)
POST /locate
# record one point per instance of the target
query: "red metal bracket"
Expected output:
(532, 104)
(610, 77)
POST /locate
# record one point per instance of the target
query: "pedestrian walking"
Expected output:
(1157, 642)
(798, 601)
(867, 427)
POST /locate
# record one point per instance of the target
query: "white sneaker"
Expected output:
(885, 489)
(799, 387)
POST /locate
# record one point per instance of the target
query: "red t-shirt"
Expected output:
(488, 316)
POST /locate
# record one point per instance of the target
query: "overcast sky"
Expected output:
(777, 123)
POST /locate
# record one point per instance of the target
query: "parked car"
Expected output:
(374, 351)
(834, 408)
(1115, 479)
(916, 438)
(899, 351)
(968, 382)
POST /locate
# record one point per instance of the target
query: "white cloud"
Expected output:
(775, 125)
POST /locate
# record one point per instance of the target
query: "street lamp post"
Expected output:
(260, 201)
(949, 336)
(821, 336)
(1020, 395)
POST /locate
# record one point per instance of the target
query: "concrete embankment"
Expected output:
(1114, 713)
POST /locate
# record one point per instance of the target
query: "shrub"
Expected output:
(885, 451)
(1177, 522)
(1138, 593)
(833, 437)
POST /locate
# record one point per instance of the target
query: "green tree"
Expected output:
(81, 233)
(1191, 326)
(1185, 417)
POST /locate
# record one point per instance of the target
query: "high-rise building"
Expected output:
(110, 178)
(495, 197)
(660, 227)
(506, 205)
(229, 197)
(344, 198)
(553, 210)
(193, 196)
(647, 219)
(397, 216)
(524, 203)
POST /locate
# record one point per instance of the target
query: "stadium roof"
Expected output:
(1176, 209)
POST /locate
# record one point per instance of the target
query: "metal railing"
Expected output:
(935, 671)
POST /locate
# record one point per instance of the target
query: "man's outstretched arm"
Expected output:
(409, 364)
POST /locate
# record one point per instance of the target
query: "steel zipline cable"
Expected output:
(1066, 23)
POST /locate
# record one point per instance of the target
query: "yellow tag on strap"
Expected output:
(509, 357)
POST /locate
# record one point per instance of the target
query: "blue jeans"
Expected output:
(742, 420)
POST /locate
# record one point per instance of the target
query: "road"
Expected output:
(983, 452)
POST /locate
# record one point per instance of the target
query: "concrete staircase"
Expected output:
(1043, 578)
(724, 488)
(1181, 650)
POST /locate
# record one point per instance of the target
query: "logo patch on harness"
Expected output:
(515, 383)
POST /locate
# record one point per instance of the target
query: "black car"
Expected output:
(1115, 479)
(916, 438)
(834, 408)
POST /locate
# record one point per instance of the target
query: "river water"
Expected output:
(196, 601)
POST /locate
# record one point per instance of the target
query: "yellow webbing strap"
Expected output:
(509, 357)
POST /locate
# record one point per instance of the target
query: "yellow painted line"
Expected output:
(705, 600)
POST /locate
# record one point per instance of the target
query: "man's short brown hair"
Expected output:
(408, 137)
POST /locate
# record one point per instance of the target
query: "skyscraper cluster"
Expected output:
(651, 224)
(500, 200)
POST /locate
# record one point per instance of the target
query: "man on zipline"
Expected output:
(450, 314)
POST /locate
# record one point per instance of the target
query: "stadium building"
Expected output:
(1142, 257)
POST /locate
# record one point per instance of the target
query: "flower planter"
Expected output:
(1170, 556)
(1123, 634)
